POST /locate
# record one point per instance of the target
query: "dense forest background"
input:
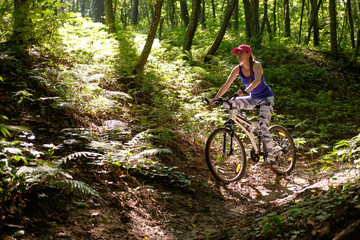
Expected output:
(103, 121)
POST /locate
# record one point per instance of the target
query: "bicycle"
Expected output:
(226, 155)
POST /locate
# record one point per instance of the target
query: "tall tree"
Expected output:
(301, 20)
(287, 18)
(135, 12)
(22, 25)
(314, 22)
(252, 23)
(255, 23)
(351, 23)
(98, 11)
(356, 50)
(266, 21)
(225, 22)
(247, 11)
(333, 26)
(274, 17)
(192, 26)
(236, 16)
(139, 67)
(109, 16)
(124, 14)
(213, 7)
(172, 14)
(202, 14)
(83, 4)
(184, 12)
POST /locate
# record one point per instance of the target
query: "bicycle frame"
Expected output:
(247, 126)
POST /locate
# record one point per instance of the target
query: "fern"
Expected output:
(50, 175)
(77, 155)
(36, 174)
(74, 185)
(156, 151)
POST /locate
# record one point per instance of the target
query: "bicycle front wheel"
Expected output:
(284, 150)
(225, 155)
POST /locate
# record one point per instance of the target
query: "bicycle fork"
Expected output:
(231, 144)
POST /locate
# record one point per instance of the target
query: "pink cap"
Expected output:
(242, 48)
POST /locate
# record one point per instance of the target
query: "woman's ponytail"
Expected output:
(251, 63)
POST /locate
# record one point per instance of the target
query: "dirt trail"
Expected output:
(136, 208)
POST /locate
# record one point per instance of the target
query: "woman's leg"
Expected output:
(246, 103)
(266, 111)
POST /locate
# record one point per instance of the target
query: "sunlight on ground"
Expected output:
(338, 178)
(82, 35)
(140, 41)
(262, 186)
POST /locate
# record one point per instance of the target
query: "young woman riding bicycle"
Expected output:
(252, 76)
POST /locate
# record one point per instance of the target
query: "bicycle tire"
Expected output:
(284, 150)
(229, 166)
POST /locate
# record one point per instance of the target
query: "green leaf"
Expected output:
(278, 219)
(266, 228)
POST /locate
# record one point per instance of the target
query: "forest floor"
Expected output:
(155, 210)
(134, 207)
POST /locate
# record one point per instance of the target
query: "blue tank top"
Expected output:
(261, 91)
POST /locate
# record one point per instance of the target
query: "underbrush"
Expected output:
(317, 215)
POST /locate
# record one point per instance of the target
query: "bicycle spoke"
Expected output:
(284, 150)
(225, 155)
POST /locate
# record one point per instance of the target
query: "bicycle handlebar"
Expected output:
(221, 100)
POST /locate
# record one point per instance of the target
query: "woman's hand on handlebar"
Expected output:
(241, 92)
(212, 102)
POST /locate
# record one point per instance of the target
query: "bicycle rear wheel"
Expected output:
(225, 155)
(284, 150)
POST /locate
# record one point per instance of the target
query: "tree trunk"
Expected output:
(160, 27)
(109, 16)
(236, 16)
(222, 31)
(184, 12)
(20, 19)
(356, 50)
(266, 21)
(139, 67)
(287, 18)
(314, 22)
(333, 26)
(255, 23)
(301, 20)
(135, 12)
(213, 10)
(351, 23)
(98, 11)
(191, 28)
(173, 13)
(82, 8)
(124, 14)
(202, 15)
(274, 17)
(247, 18)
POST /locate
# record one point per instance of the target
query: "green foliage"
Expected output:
(13, 155)
(73, 185)
(344, 151)
(53, 175)
(302, 216)
(3, 128)
(272, 221)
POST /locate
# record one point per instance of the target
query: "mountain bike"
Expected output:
(226, 151)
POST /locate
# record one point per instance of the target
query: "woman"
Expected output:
(252, 76)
